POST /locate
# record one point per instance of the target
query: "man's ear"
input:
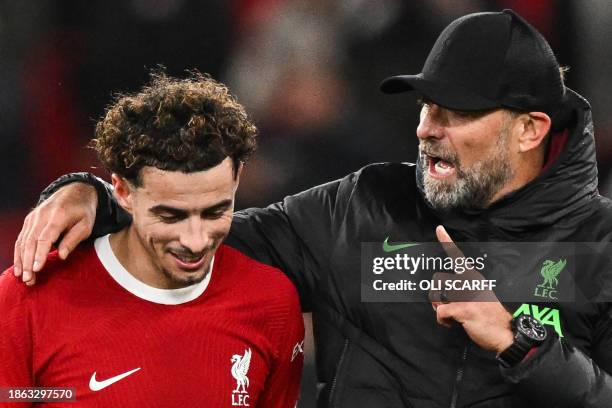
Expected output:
(534, 128)
(123, 192)
(238, 173)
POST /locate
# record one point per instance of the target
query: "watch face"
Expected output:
(531, 328)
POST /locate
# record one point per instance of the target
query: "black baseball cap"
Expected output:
(485, 61)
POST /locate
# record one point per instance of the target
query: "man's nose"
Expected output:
(194, 236)
(431, 123)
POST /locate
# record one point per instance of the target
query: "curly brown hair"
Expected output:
(173, 124)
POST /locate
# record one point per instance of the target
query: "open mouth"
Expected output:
(438, 167)
(188, 262)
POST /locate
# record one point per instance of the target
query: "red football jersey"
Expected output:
(234, 339)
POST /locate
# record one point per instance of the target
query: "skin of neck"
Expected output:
(129, 251)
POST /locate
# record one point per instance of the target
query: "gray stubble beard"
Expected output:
(474, 187)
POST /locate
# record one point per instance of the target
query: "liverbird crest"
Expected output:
(240, 368)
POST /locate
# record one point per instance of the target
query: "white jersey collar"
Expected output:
(142, 290)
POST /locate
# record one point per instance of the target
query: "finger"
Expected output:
(79, 232)
(450, 248)
(43, 247)
(17, 251)
(447, 243)
(48, 236)
(444, 314)
(32, 281)
(27, 225)
(28, 249)
(442, 235)
(36, 224)
(46, 226)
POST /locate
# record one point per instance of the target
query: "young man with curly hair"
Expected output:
(161, 313)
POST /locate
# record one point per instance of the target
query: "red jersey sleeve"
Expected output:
(16, 334)
(283, 384)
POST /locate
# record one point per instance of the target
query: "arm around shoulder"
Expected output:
(110, 216)
(294, 235)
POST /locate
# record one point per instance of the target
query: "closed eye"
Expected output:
(217, 211)
(168, 215)
(169, 219)
(213, 215)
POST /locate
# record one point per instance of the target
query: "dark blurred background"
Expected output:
(307, 71)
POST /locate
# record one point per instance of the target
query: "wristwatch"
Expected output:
(528, 333)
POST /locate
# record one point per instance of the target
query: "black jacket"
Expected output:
(395, 354)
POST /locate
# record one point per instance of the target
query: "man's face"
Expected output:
(465, 157)
(180, 219)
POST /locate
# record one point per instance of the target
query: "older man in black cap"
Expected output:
(506, 154)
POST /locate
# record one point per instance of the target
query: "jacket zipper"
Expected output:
(335, 380)
(459, 377)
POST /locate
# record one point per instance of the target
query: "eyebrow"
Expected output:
(161, 208)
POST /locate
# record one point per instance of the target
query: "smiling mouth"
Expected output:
(188, 262)
(438, 167)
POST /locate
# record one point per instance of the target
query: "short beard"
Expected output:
(179, 281)
(475, 186)
(184, 280)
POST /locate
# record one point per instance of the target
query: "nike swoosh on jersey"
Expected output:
(95, 385)
(388, 247)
